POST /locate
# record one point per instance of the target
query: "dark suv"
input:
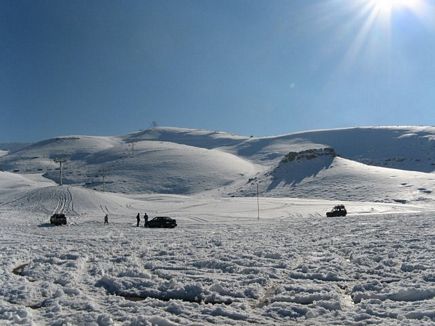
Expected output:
(58, 219)
(338, 210)
(162, 222)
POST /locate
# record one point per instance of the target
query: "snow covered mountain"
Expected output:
(146, 166)
(371, 163)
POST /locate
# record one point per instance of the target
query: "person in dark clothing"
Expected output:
(145, 216)
(106, 219)
(138, 219)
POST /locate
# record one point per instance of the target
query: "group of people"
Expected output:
(145, 217)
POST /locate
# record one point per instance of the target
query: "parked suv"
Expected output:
(338, 210)
(58, 219)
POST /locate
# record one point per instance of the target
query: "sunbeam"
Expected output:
(385, 7)
(369, 26)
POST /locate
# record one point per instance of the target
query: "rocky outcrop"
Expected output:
(309, 154)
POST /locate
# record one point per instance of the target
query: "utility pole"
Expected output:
(103, 176)
(60, 161)
(131, 149)
(258, 205)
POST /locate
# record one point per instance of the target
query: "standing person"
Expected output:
(106, 219)
(145, 216)
(138, 219)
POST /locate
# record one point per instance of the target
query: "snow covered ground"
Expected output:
(221, 265)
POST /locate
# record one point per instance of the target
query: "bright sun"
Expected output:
(374, 25)
(387, 6)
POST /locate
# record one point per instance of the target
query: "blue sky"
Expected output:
(246, 66)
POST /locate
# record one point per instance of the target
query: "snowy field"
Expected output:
(220, 265)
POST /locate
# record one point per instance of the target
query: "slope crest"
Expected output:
(192, 137)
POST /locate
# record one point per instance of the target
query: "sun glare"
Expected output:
(387, 6)
(372, 28)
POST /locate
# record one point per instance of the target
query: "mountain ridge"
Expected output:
(190, 161)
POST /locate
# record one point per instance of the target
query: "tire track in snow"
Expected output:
(198, 219)
(62, 201)
(58, 204)
(104, 209)
(71, 201)
(15, 200)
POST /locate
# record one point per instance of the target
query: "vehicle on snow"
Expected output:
(58, 219)
(162, 222)
(338, 210)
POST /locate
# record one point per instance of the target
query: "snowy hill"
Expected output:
(12, 182)
(148, 166)
(353, 163)
(6, 148)
(12, 147)
(40, 156)
(407, 148)
(163, 167)
(342, 179)
(73, 201)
